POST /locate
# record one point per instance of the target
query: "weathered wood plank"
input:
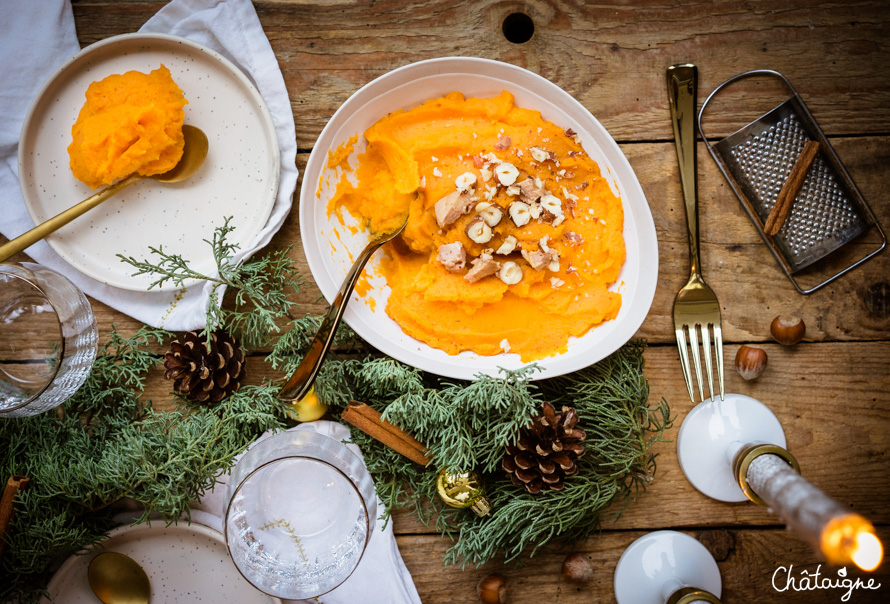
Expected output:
(610, 55)
(747, 560)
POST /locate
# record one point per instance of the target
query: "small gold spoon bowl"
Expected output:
(193, 154)
(118, 579)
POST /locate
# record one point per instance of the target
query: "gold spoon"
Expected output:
(299, 384)
(118, 579)
(193, 155)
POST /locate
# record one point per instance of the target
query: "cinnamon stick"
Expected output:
(368, 420)
(785, 200)
(7, 510)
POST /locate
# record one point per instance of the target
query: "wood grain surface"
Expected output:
(831, 392)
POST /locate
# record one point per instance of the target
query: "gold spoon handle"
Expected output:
(43, 229)
(304, 375)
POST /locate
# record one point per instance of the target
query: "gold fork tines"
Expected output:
(696, 308)
(708, 333)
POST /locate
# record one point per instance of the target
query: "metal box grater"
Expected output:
(828, 212)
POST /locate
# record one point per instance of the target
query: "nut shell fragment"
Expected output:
(452, 206)
(538, 259)
(482, 267)
(452, 256)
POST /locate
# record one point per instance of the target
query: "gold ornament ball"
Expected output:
(463, 490)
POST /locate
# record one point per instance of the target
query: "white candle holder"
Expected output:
(734, 450)
(714, 432)
(667, 567)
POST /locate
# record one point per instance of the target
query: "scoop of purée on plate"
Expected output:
(131, 123)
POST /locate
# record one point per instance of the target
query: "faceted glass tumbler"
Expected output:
(299, 514)
(48, 339)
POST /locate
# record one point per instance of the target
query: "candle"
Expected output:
(841, 536)
(852, 537)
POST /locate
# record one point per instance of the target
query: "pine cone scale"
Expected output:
(546, 466)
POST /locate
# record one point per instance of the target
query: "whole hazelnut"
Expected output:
(492, 589)
(750, 362)
(577, 569)
(788, 330)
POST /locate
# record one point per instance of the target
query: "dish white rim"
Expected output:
(248, 87)
(429, 359)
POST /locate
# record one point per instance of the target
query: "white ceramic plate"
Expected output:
(239, 177)
(184, 563)
(330, 246)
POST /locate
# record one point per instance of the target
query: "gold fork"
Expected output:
(696, 306)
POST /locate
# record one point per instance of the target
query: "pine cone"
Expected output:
(205, 371)
(546, 452)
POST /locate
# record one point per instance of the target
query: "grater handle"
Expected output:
(682, 86)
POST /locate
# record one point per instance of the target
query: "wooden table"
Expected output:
(830, 392)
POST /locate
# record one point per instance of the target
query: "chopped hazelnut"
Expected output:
(508, 245)
(539, 154)
(478, 230)
(510, 273)
(507, 173)
(531, 190)
(491, 215)
(503, 143)
(519, 213)
(538, 259)
(465, 181)
(573, 238)
(551, 204)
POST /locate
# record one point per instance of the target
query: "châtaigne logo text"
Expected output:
(784, 579)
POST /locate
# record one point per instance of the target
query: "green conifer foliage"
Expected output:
(107, 444)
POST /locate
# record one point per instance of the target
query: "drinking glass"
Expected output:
(48, 339)
(300, 508)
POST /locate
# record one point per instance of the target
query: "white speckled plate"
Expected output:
(184, 563)
(238, 179)
(331, 246)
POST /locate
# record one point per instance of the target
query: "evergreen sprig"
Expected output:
(261, 288)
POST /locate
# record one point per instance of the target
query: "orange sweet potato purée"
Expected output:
(514, 236)
(131, 123)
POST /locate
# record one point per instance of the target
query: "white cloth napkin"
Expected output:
(381, 576)
(230, 27)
